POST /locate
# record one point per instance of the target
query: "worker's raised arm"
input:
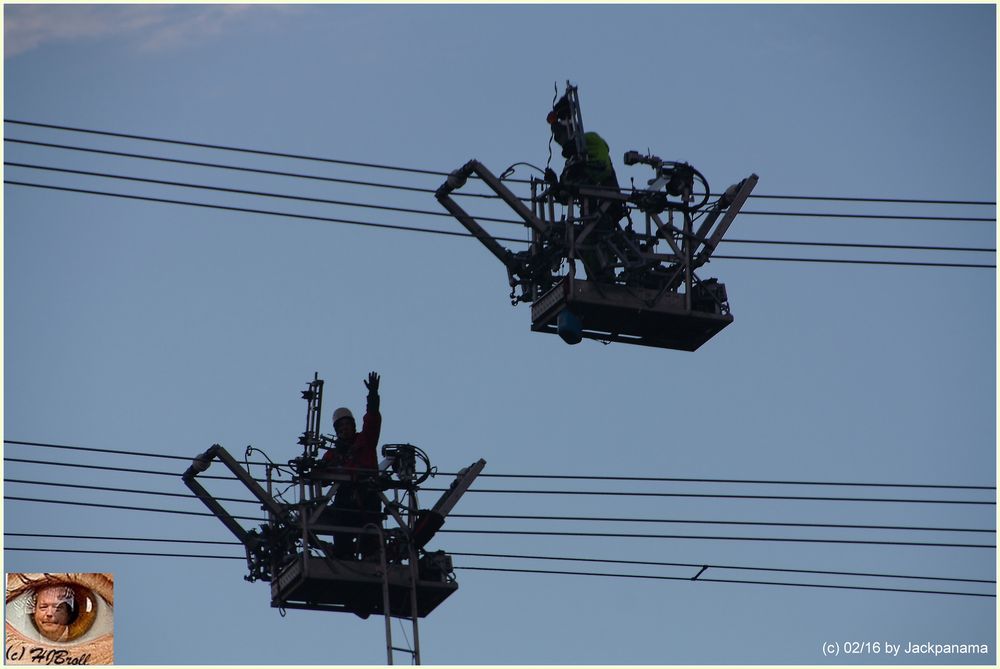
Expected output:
(373, 398)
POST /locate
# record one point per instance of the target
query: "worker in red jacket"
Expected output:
(356, 502)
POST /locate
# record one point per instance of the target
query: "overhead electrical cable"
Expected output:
(279, 154)
(541, 571)
(145, 454)
(887, 217)
(240, 191)
(899, 263)
(427, 190)
(883, 200)
(626, 535)
(136, 553)
(246, 210)
(219, 147)
(39, 535)
(449, 232)
(725, 496)
(901, 247)
(652, 563)
(393, 186)
(126, 490)
(725, 580)
(908, 528)
(127, 469)
(697, 565)
(121, 507)
(347, 203)
(237, 168)
(673, 479)
(564, 492)
(621, 535)
(116, 451)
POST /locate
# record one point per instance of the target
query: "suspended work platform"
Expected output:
(633, 315)
(395, 576)
(640, 248)
(323, 584)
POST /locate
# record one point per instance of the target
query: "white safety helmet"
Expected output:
(342, 412)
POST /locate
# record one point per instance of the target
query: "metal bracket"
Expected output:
(742, 193)
(202, 463)
(429, 522)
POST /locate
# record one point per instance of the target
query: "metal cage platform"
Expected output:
(322, 584)
(613, 312)
(647, 291)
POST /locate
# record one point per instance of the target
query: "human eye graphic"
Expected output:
(57, 609)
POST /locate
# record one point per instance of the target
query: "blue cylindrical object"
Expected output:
(569, 327)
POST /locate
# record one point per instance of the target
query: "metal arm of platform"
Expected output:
(457, 179)
(710, 243)
(463, 480)
(429, 522)
(202, 463)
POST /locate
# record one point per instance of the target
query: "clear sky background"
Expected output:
(164, 329)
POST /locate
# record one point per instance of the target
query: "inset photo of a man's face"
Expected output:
(59, 619)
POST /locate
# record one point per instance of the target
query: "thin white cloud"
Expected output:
(146, 27)
(187, 28)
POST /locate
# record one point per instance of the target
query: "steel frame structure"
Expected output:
(289, 551)
(635, 291)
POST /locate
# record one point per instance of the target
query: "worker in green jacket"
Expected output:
(591, 167)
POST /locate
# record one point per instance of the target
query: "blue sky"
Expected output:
(164, 329)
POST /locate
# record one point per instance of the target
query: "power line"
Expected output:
(127, 469)
(219, 147)
(726, 580)
(347, 203)
(691, 565)
(163, 182)
(448, 232)
(106, 538)
(625, 535)
(858, 245)
(115, 451)
(241, 191)
(561, 492)
(438, 172)
(544, 571)
(145, 454)
(723, 496)
(885, 200)
(562, 534)
(563, 476)
(696, 565)
(888, 217)
(79, 550)
(908, 528)
(313, 177)
(127, 508)
(856, 262)
(400, 187)
(127, 490)
(548, 518)
(246, 210)
(673, 479)
(238, 168)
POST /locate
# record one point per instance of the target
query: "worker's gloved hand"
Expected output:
(372, 383)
